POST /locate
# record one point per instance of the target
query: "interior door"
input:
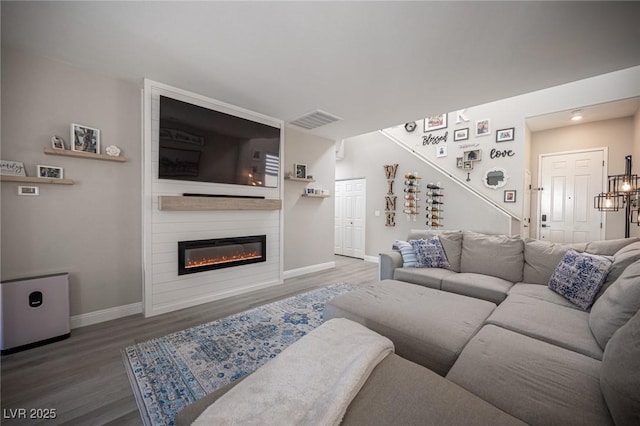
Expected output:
(526, 206)
(569, 183)
(350, 217)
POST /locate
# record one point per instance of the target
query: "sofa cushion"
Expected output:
(618, 303)
(427, 326)
(621, 259)
(495, 255)
(579, 276)
(620, 373)
(429, 253)
(480, 286)
(537, 382)
(451, 243)
(542, 257)
(427, 277)
(408, 253)
(559, 325)
(609, 247)
(541, 292)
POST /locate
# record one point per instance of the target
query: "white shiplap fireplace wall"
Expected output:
(164, 289)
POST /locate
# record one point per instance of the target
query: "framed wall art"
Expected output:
(300, 170)
(50, 172)
(85, 138)
(510, 196)
(461, 134)
(505, 135)
(483, 127)
(435, 122)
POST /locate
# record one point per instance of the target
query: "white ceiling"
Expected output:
(374, 64)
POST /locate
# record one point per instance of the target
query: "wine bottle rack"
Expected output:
(411, 196)
(435, 202)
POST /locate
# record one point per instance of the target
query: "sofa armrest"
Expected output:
(388, 262)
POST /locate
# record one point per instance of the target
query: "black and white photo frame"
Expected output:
(461, 134)
(85, 138)
(300, 170)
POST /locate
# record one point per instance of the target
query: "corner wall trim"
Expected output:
(373, 259)
(291, 273)
(96, 317)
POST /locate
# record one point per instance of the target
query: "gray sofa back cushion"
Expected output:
(451, 243)
(542, 257)
(609, 247)
(496, 255)
(620, 373)
(618, 303)
(621, 259)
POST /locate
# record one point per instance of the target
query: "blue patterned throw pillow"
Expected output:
(429, 253)
(579, 276)
(408, 255)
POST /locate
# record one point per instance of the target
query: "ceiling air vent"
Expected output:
(314, 120)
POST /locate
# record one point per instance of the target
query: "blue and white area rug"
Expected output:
(171, 372)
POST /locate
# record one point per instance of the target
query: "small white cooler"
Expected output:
(33, 312)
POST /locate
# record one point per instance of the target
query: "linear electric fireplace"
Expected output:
(204, 255)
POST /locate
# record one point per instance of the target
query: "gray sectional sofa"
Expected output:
(486, 342)
(491, 325)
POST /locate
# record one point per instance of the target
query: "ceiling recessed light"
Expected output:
(576, 115)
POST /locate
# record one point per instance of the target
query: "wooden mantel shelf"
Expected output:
(29, 179)
(180, 203)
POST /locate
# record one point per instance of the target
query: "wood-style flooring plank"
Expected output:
(83, 378)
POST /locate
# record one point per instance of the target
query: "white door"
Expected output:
(569, 183)
(350, 217)
(526, 206)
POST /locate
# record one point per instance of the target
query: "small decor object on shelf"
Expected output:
(85, 138)
(390, 199)
(112, 151)
(509, 196)
(300, 170)
(434, 204)
(12, 168)
(411, 188)
(504, 135)
(435, 122)
(57, 142)
(483, 127)
(50, 172)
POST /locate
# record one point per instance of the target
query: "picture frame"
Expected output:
(467, 165)
(28, 190)
(483, 127)
(510, 196)
(57, 143)
(50, 172)
(459, 162)
(505, 135)
(461, 134)
(441, 151)
(300, 170)
(435, 122)
(85, 138)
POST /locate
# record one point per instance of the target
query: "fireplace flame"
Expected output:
(206, 261)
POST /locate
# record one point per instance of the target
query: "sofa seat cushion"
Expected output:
(542, 292)
(496, 255)
(428, 277)
(617, 305)
(539, 383)
(549, 322)
(427, 326)
(480, 286)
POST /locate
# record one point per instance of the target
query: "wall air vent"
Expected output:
(314, 120)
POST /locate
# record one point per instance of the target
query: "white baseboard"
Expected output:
(96, 317)
(308, 269)
(373, 259)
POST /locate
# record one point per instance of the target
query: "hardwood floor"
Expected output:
(83, 377)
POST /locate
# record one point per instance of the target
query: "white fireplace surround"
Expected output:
(164, 289)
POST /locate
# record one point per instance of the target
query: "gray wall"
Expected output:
(308, 222)
(91, 229)
(365, 156)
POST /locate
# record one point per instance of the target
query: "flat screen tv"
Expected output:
(204, 145)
